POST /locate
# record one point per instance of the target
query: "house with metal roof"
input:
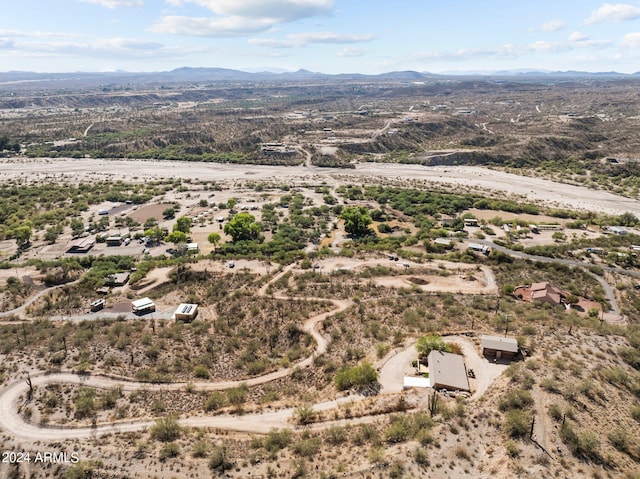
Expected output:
(499, 347)
(447, 371)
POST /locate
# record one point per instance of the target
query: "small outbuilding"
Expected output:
(113, 240)
(143, 306)
(617, 230)
(498, 347)
(471, 222)
(80, 245)
(447, 371)
(118, 279)
(185, 312)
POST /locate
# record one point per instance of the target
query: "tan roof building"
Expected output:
(547, 292)
(498, 347)
(447, 371)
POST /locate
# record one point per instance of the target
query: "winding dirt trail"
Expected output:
(12, 397)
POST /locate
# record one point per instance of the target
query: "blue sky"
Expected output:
(330, 36)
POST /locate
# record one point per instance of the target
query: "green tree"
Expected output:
(176, 237)
(360, 376)
(182, 224)
(627, 219)
(231, 203)
(168, 213)
(77, 227)
(166, 429)
(155, 234)
(426, 344)
(356, 221)
(242, 227)
(150, 223)
(214, 239)
(22, 234)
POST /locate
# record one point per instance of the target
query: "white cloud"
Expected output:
(352, 52)
(118, 48)
(36, 34)
(578, 37)
(113, 4)
(576, 41)
(631, 40)
(618, 12)
(298, 40)
(328, 37)
(210, 27)
(277, 10)
(240, 17)
(552, 26)
(6, 44)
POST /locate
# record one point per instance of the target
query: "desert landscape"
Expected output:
(420, 279)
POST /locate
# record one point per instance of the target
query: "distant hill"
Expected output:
(118, 79)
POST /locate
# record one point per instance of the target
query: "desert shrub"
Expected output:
(555, 411)
(158, 406)
(356, 377)
(220, 461)
(615, 375)
(169, 450)
(81, 470)
(585, 444)
(366, 433)
(214, 401)
(307, 447)
(517, 423)
(277, 439)
(305, 414)
(85, 402)
(631, 356)
(635, 412)
(461, 452)
(399, 430)
(550, 385)
(620, 439)
(511, 448)
(110, 397)
(237, 395)
(200, 449)
(201, 371)
(336, 435)
(421, 457)
(516, 399)
(166, 429)
(376, 455)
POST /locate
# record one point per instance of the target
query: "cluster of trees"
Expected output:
(426, 344)
(356, 377)
(7, 144)
(25, 209)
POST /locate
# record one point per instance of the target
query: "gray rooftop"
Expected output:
(499, 344)
(448, 370)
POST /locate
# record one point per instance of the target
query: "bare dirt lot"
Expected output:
(143, 213)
